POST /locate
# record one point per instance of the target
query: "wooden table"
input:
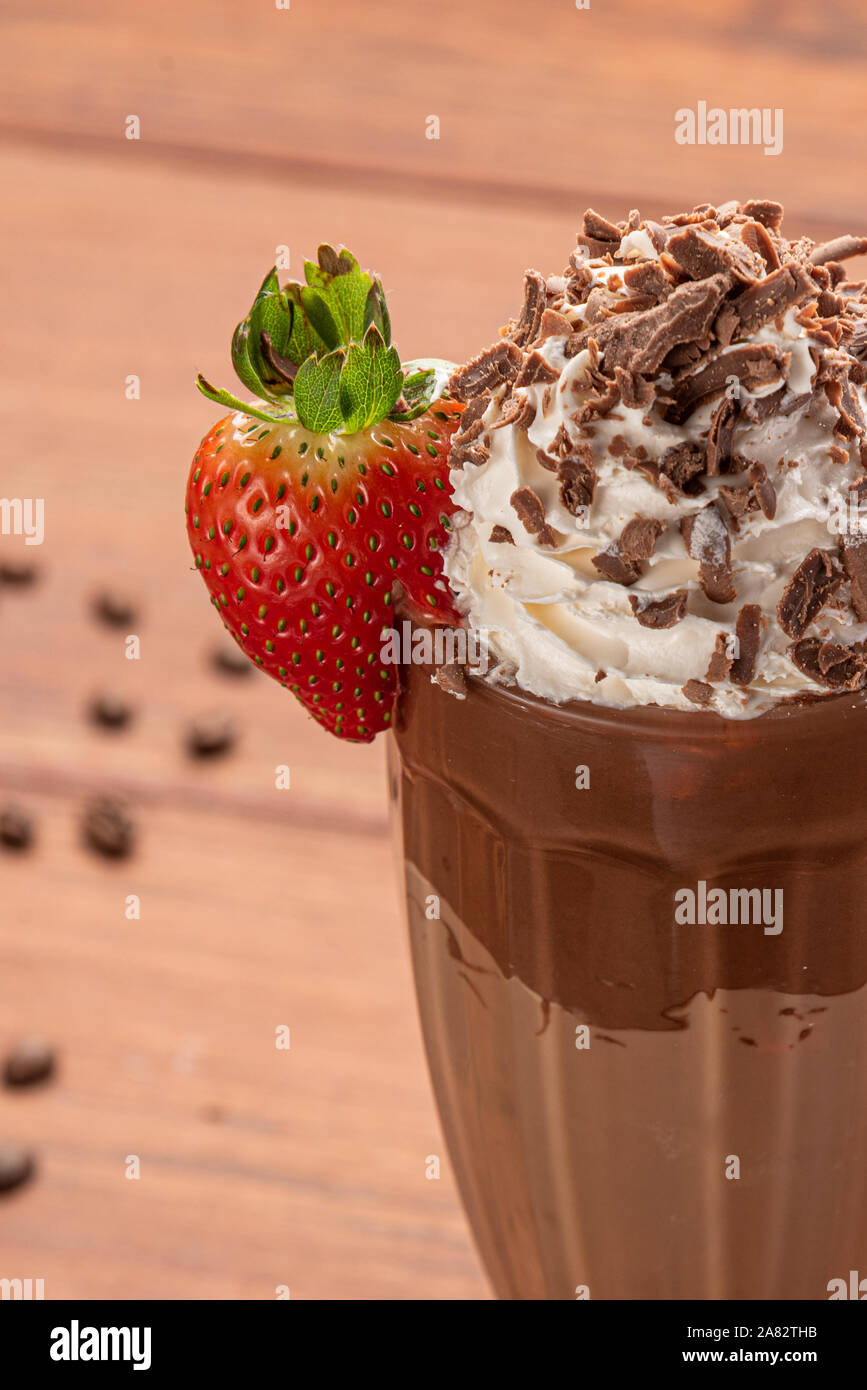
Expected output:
(261, 908)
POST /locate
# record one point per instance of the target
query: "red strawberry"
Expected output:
(313, 510)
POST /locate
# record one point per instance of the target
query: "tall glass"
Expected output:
(636, 1105)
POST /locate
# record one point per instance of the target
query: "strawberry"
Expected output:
(315, 508)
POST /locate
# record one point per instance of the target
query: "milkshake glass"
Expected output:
(638, 1107)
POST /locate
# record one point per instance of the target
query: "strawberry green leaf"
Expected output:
(425, 382)
(376, 311)
(271, 313)
(317, 393)
(327, 344)
(335, 299)
(222, 397)
(370, 382)
(303, 339)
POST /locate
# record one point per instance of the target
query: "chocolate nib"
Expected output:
(816, 579)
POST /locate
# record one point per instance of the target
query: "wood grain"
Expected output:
(535, 102)
(259, 908)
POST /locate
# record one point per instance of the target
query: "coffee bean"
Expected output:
(108, 829)
(110, 711)
(16, 828)
(230, 660)
(18, 572)
(30, 1060)
(16, 1166)
(210, 735)
(115, 609)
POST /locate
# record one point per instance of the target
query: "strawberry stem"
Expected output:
(321, 353)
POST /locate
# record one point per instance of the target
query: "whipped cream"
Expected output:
(560, 626)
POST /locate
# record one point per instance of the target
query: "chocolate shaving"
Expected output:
(636, 392)
(720, 437)
(698, 692)
(840, 249)
(754, 365)
(647, 278)
(490, 369)
(577, 478)
(621, 562)
(758, 239)
(853, 552)
(578, 282)
(763, 490)
(531, 514)
(553, 325)
(660, 613)
(759, 495)
(640, 342)
(473, 454)
(501, 536)
(535, 295)
(726, 324)
(760, 408)
(763, 210)
(597, 250)
(599, 228)
(639, 536)
(546, 461)
(748, 630)
(612, 565)
(536, 370)
(683, 465)
(473, 412)
(833, 376)
(813, 583)
(720, 660)
(707, 540)
(518, 411)
(771, 297)
(830, 663)
(702, 253)
(603, 396)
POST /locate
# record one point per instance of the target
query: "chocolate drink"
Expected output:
(636, 846)
(609, 1165)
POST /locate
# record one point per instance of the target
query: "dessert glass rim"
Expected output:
(661, 721)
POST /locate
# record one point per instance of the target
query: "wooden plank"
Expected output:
(545, 103)
(259, 1166)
